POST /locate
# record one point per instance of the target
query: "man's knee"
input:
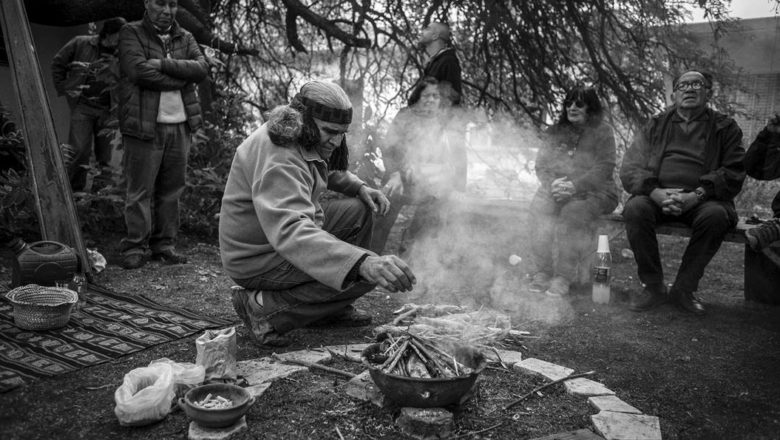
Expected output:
(713, 217)
(638, 209)
(578, 214)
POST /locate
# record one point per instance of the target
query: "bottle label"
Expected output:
(600, 274)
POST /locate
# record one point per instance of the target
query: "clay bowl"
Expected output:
(419, 392)
(216, 417)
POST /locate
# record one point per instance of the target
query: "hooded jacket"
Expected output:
(140, 85)
(724, 171)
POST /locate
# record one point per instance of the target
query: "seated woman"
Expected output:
(422, 165)
(575, 168)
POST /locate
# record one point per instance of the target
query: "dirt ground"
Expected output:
(706, 378)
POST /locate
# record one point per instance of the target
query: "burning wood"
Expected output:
(413, 356)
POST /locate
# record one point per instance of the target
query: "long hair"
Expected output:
(590, 98)
(295, 122)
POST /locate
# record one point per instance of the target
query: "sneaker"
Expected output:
(764, 235)
(559, 286)
(348, 317)
(169, 256)
(260, 330)
(540, 282)
(649, 298)
(133, 261)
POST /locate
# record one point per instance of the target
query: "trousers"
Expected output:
(292, 298)
(88, 125)
(709, 221)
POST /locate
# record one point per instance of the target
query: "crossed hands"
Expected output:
(388, 271)
(673, 201)
(562, 189)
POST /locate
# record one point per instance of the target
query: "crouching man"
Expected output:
(300, 262)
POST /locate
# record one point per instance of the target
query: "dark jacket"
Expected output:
(69, 77)
(762, 159)
(585, 155)
(140, 85)
(723, 155)
(445, 67)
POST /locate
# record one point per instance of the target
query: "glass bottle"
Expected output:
(602, 271)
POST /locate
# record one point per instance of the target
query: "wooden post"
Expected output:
(53, 199)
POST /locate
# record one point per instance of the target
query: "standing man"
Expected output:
(300, 262)
(84, 70)
(441, 63)
(158, 110)
(685, 165)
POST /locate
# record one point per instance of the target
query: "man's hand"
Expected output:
(394, 185)
(663, 198)
(155, 64)
(562, 189)
(388, 271)
(374, 198)
(684, 201)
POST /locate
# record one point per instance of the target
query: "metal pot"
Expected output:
(419, 392)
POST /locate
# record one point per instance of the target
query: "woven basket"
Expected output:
(41, 307)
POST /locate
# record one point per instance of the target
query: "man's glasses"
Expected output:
(686, 85)
(578, 103)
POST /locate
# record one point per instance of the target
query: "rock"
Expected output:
(425, 423)
(198, 432)
(611, 403)
(257, 371)
(352, 350)
(362, 387)
(543, 368)
(509, 357)
(622, 426)
(258, 390)
(586, 387)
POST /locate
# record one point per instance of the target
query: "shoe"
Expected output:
(649, 298)
(169, 256)
(559, 286)
(540, 282)
(260, 330)
(689, 303)
(764, 235)
(348, 317)
(133, 261)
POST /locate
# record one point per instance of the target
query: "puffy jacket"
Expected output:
(724, 171)
(68, 78)
(762, 160)
(140, 85)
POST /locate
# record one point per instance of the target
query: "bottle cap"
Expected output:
(603, 243)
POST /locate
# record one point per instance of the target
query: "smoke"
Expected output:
(459, 244)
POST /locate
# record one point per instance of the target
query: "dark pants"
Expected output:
(155, 173)
(384, 223)
(293, 299)
(710, 221)
(88, 125)
(563, 233)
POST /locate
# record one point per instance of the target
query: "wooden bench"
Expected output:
(762, 269)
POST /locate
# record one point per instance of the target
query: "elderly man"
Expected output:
(301, 263)
(84, 70)
(442, 63)
(685, 165)
(158, 110)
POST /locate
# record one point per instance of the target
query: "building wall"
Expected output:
(48, 40)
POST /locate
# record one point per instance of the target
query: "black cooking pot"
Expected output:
(420, 392)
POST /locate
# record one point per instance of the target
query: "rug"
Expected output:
(109, 325)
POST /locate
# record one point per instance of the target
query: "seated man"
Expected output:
(685, 165)
(762, 162)
(299, 261)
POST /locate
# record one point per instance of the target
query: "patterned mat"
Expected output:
(108, 326)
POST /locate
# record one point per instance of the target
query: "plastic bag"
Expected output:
(186, 375)
(217, 353)
(145, 395)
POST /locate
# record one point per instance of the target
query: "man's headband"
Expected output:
(325, 113)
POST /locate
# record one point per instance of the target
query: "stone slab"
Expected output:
(362, 387)
(580, 434)
(198, 432)
(266, 369)
(509, 357)
(258, 390)
(586, 388)
(622, 426)
(425, 423)
(611, 403)
(543, 368)
(352, 350)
